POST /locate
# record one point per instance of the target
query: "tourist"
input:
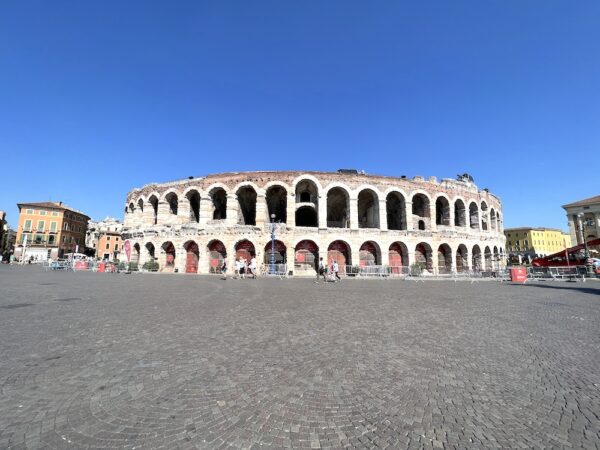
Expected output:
(236, 269)
(243, 267)
(335, 269)
(322, 271)
(253, 267)
(224, 269)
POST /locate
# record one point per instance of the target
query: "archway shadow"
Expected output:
(564, 286)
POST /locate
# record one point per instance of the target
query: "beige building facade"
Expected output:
(584, 219)
(356, 219)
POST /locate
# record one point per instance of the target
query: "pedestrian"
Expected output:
(253, 267)
(243, 266)
(224, 269)
(236, 269)
(335, 269)
(322, 271)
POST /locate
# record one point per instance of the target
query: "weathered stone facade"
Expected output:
(357, 219)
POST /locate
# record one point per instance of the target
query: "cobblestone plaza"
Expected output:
(160, 361)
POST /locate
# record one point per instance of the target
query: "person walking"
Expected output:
(224, 269)
(335, 269)
(236, 269)
(322, 270)
(252, 267)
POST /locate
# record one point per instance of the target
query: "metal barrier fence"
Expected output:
(274, 270)
(557, 273)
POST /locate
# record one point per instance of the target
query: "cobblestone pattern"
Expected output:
(154, 361)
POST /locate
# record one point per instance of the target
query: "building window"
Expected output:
(107, 246)
(42, 213)
(51, 239)
(41, 225)
(29, 211)
(27, 225)
(116, 247)
(54, 214)
(108, 238)
(53, 226)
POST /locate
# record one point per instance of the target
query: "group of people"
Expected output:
(241, 268)
(323, 271)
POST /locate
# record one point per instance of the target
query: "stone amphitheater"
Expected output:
(360, 220)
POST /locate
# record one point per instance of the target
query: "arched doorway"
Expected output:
(244, 249)
(218, 199)
(135, 255)
(306, 256)
(276, 198)
(169, 250)
(247, 205)
(339, 251)
(306, 216)
(474, 216)
(396, 211)
(193, 198)
(476, 258)
(216, 255)
(338, 208)
(460, 216)
(369, 254)
(420, 212)
(398, 256)
(280, 252)
(192, 255)
(488, 259)
(150, 251)
(462, 261)
(442, 211)
(444, 259)
(368, 209)
(423, 256)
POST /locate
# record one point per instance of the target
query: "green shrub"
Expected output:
(151, 266)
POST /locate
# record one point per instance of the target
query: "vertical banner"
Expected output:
(127, 248)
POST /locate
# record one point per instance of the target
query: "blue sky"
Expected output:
(99, 97)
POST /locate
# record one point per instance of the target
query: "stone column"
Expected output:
(232, 210)
(205, 210)
(291, 210)
(163, 215)
(353, 213)
(202, 258)
(180, 257)
(323, 212)
(385, 257)
(289, 257)
(148, 214)
(451, 216)
(383, 226)
(183, 211)
(432, 218)
(409, 217)
(262, 211)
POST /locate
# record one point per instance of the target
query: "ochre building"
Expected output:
(357, 219)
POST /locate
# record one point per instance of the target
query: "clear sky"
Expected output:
(97, 98)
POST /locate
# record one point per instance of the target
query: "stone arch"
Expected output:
(442, 210)
(424, 256)
(280, 252)
(192, 256)
(398, 257)
(476, 262)
(444, 259)
(339, 251)
(150, 251)
(216, 255)
(173, 201)
(473, 216)
(131, 207)
(193, 198)
(276, 198)
(140, 204)
(308, 178)
(488, 259)
(338, 207)
(244, 248)
(421, 211)
(153, 200)
(484, 216)
(307, 202)
(170, 254)
(395, 204)
(307, 216)
(249, 184)
(246, 196)
(493, 224)
(136, 253)
(218, 201)
(496, 258)
(369, 254)
(460, 213)
(306, 255)
(368, 209)
(462, 258)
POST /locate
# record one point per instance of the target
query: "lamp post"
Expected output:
(582, 225)
(272, 256)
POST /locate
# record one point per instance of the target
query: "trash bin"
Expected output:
(518, 274)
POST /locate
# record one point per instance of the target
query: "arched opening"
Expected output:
(339, 251)
(279, 251)
(277, 204)
(244, 249)
(499, 220)
(420, 211)
(150, 251)
(369, 254)
(173, 202)
(306, 216)
(484, 217)
(193, 198)
(493, 223)
(218, 199)
(338, 208)
(476, 258)
(444, 259)
(169, 250)
(462, 258)
(398, 257)
(135, 254)
(306, 256)
(423, 257)
(442, 211)
(154, 203)
(474, 216)
(192, 256)
(496, 259)
(368, 209)
(216, 256)
(460, 215)
(488, 259)
(396, 211)
(141, 205)
(131, 208)
(307, 192)
(247, 202)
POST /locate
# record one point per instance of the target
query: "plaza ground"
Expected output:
(92, 360)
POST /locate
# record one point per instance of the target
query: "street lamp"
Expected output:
(582, 225)
(272, 256)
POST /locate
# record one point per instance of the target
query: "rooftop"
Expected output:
(534, 229)
(586, 201)
(51, 205)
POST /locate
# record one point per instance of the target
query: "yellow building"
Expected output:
(535, 242)
(49, 230)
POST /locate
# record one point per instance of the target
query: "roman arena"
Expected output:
(363, 221)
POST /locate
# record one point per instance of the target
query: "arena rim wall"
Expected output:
(446, 226)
